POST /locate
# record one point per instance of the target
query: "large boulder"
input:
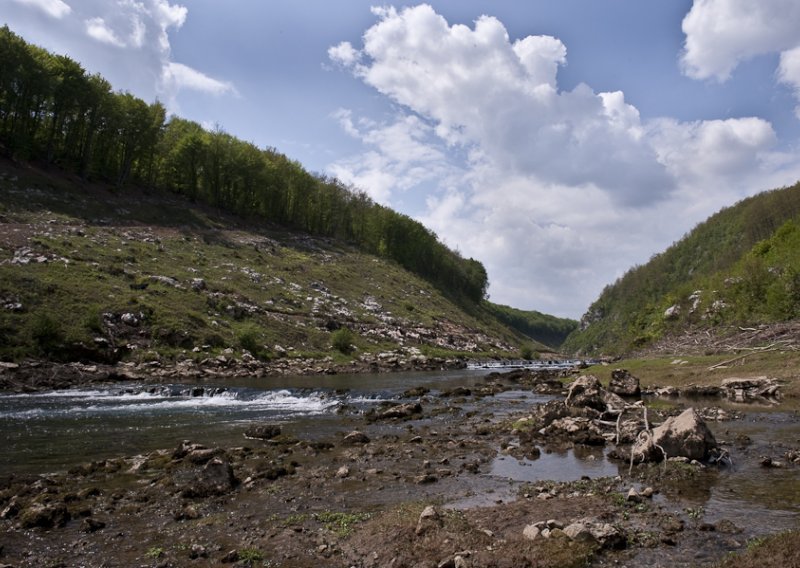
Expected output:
(685, 435)
(624, 384)
(587, 392)
(215, 478)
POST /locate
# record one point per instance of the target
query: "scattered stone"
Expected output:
(216, 478)
(44, 516)
(401, 411)
(633, 496)
(767, 461)
(356, 438)
(343, 472)
(741, 390)
(263, 431)
(428, 519)
(90, 525)
(531, 532)
(594, 531)
(624, 384)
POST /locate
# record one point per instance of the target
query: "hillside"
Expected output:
(739, 268)
(91, 273)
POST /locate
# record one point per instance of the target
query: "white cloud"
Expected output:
(127, 41)
(722, 33)
(405, 155)
(53, 8)
(556, 192)
(97, 29)
(178, 76)
(481, 90)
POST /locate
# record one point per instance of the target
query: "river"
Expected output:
(52, 431)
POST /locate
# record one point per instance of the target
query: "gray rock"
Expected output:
(263, 431)
(356, 438)
(531, 532)
(685, 436)
(428, 519)
(591, 530)
(624, 384)
(216, 478)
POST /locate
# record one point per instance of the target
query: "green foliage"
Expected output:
(528, 353)
(341, 523)
(546, 329)
(250, 555)
(740, 266)
(342, 340)
(47, 334)
(249, 338)
(52, 110)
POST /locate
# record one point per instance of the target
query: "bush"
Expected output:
(342, 340)
(527, 352)
(47, 334)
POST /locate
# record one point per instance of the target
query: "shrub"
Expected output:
(47, 334)
(342, 340)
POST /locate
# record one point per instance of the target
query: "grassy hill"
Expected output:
(91, 272)
(740, 267)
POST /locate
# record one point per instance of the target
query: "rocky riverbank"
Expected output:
(409, 484)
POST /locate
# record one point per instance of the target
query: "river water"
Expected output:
(55, 430)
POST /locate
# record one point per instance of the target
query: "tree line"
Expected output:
(53, 111)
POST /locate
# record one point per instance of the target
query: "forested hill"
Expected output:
(544, 328)
(740, 267)
(54, 112)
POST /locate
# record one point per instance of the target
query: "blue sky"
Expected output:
(559, 143)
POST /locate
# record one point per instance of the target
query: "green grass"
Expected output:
(697, 370)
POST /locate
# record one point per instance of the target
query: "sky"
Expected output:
(559, 143)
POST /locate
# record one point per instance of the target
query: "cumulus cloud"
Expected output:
(53, 8)
(484, 91)
(556, 192)
(722, 33)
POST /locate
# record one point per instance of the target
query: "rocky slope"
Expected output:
(97, 275)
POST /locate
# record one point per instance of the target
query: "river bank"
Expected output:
(429, 475)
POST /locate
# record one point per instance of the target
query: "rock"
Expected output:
(356, 438)
(428, 519)
(586, 391)
(741, 390)
(531, 532)
(769, 462)
(672, 312)
(577, 430)
(343, 472)
(685, 435)
(623, 383)
(90, 525)
(198, 284)
(633, 496)
(129, 319)
(594, 531)
(216, 478)
(263, 431)
(44, 516)
(401, 411)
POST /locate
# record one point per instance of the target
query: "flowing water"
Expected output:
(55, 430)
